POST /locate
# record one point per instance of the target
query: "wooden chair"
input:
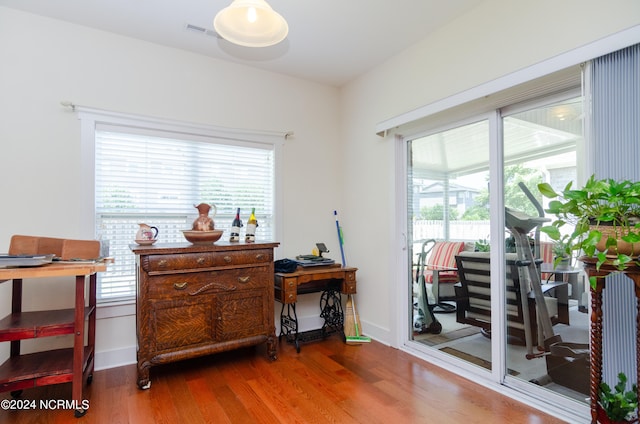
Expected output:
(437, 262)
(473, 297)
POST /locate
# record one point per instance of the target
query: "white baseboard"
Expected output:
(115, 358)
(379, 334)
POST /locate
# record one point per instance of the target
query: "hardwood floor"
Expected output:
(327, 381)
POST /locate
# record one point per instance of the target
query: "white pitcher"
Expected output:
(147, 232)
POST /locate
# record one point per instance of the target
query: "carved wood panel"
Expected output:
(182, 323)
(242, 314)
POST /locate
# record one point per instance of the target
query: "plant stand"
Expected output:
(633, 272)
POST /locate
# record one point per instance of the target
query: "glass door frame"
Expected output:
(581, 169)
(404, 261)
(498, 375)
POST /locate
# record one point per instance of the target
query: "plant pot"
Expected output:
(564, 264)
(631, 249)
(603, 419)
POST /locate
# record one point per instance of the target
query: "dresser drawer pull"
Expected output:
(200, 261)
(227, 259)
(260, 256)
(244, 280)
(162, 262)
(213, 285)
(180, 286)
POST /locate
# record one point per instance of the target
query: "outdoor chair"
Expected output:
(473, 297)
(437, 263)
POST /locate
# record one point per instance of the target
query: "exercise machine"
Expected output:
(567, 363)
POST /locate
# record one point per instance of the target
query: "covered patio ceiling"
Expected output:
(530, 135)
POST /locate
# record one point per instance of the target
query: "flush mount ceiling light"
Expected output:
(250, 23)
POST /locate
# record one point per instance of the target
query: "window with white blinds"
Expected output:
(147, 177)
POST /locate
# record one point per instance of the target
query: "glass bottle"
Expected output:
(235, 227)
(252, 223)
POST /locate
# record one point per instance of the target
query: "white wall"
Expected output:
(44, 61)
(497, 38)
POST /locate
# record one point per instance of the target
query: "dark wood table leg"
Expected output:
(16, 308)
(78, 347)
(596, 345)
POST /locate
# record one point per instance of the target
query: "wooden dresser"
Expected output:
(195, 300)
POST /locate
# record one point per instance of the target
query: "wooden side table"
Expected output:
(331, 280)
(571, 277)
(633, 272)
(73, 365)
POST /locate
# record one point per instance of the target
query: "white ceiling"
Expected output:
(329, 41)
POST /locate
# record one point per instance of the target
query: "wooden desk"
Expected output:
(331, 280)
(73, 365)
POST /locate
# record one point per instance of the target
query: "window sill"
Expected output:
(115, 309)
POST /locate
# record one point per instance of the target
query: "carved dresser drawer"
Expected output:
(349, 283)
(195, 300)
(175, 262)
(204, 283)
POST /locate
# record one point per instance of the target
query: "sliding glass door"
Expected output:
(552, 295)
(448, 213)
(456, 308)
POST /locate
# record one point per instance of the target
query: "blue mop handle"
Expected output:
(340, 240)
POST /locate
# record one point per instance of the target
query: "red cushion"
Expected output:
(443, 256)
(444, 277)
(546, 254)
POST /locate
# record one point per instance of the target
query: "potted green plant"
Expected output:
(619, 405)
(605, 218)
(562, 253)
(482, 245)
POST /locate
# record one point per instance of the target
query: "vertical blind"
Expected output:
(149, 178)
(615, 90)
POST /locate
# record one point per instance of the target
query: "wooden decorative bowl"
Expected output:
(202, 237)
